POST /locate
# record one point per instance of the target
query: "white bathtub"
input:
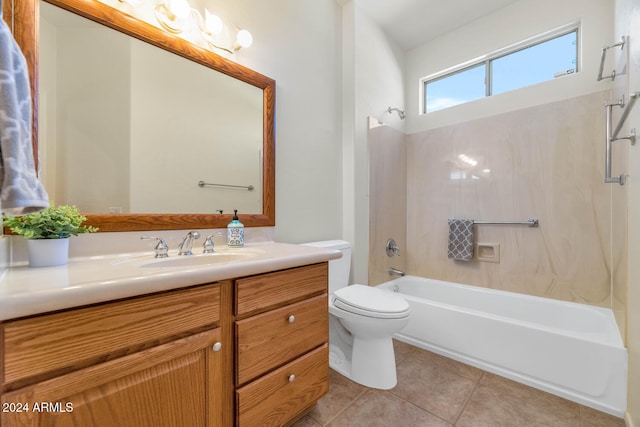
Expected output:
(568, 349)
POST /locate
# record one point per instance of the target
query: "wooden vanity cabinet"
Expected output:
(281, 326)
(158, 360)
(250, 351)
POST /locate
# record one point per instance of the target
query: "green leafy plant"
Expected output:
(57, 222)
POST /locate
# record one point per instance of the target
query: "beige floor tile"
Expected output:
(435, 391)
(432, 388)
(342, 392)
(441, 362)
(499, 402)
(402, 350)
(592, 418)
(306, 421)
(378, 408)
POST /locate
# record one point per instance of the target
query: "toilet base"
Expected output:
(363, 347)
(373, 363)
(368, 362)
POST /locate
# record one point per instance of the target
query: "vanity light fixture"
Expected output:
(172, 15)
(177, 16)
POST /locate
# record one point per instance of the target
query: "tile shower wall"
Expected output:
(387, 199)
(543, 162)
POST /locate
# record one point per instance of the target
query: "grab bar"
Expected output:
(531, 222)
(611, 76)
(248, 187)
(608, 179)
(613, 136)
(627, 109)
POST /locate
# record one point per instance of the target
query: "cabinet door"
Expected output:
(175, 384)
(49, 344)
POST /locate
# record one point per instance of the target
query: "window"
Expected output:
(534, 61)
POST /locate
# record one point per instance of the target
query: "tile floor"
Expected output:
(436, 391)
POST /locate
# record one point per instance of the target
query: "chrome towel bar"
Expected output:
(531, 222)
(247, 187)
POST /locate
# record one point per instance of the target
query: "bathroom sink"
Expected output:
(199, 260)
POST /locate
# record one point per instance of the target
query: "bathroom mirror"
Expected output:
(255, 94)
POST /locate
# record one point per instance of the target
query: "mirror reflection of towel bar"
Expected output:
(247, 187)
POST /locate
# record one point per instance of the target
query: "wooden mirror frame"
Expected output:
(23, 17)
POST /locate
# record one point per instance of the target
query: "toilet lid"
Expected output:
(369, 301)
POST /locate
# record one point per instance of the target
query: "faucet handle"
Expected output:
(161, 249)
(207, 247)
(392, 248)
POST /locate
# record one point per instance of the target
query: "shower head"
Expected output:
(400, 112)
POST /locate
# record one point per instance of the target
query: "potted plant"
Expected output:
(47, 233)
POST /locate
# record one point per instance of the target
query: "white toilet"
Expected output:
(362, 320)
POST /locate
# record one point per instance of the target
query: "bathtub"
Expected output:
(571, 350)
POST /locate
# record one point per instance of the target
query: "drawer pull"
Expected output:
(217, 346)
(292, 378)
(292, 318)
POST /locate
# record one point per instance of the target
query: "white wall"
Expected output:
(512, 24)
(374, 78)
(298, 43)
(628, 23)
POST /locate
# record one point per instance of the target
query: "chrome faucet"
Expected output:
(395, 272)
(185, 247)
(207, 247)
(161, 250)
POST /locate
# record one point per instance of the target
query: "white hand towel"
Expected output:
(20, 190)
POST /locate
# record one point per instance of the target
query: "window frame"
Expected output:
(487, 60)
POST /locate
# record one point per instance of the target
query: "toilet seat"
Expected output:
(371, 302)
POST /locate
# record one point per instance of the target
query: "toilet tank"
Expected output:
(338, 268)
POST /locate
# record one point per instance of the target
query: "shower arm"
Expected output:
(400, 112)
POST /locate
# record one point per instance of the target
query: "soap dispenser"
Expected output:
(235, 232)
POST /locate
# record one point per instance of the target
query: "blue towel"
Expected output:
(460, 239)
(20, 190)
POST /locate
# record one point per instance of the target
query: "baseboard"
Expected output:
(627, 420)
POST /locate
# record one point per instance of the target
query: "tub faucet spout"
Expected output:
(395, 272)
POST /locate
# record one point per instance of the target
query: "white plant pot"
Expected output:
(48, 252)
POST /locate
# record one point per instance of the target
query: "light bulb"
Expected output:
(212, 22)
(133, 3)
(180, 8)
(244, 38)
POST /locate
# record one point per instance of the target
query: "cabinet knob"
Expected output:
(217, 346)
(292, 318)
(292, 378)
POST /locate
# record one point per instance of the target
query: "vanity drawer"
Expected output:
(72, 339)
(268, 340)
(259, 293)
(285, 393)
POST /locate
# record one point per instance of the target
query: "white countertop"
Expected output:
(26, 291)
